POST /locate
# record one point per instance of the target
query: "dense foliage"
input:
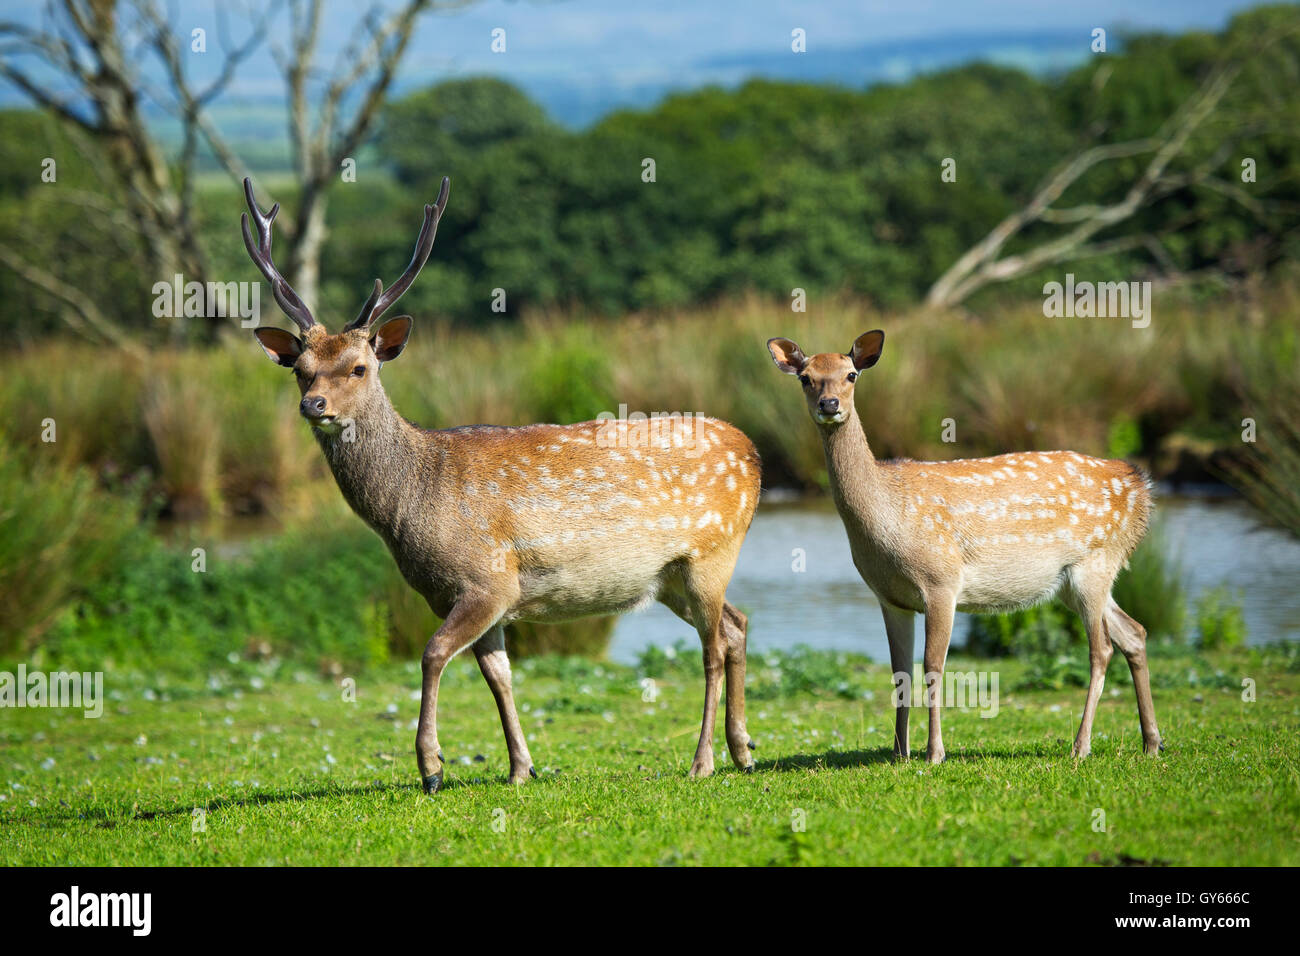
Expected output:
(768, 187)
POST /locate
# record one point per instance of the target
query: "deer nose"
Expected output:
(313, 406)
(828, 405)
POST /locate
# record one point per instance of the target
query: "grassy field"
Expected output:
(261, 765)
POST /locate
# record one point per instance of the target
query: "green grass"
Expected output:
(253, 747)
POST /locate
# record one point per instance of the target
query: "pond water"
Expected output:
(1218, 540)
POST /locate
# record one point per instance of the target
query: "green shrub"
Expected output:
(410, 624)
(585, 637)
(406, 615)
(1124, 438)
(1056, 671)
(1284, 655)
(1026, 631)
(569, 376)
(803, 670)
(61, 536)
(563, 667)
(1220, 622)
(1152, 589)
(1049, 637)
(328, 595)
(679, 658)
(304, 595)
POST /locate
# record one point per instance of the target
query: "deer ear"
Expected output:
(389, 340)
(788, 357)
(280, 346)
(866, 349)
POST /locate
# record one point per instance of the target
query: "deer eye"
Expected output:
(853, 376)
(359, 371)
(805, 380)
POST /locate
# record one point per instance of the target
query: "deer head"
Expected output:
(828, 378)
(338, 375)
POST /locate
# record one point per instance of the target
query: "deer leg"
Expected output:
(1131, 639)
(490, 649)
(469, 619)
(939, 611)
(698, 598)
(672, 596)
(710, 630)
(734, 628)
(1090, 602)
(705, 588)
(902, 637)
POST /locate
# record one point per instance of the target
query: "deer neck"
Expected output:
(857, 485)
(376, 465)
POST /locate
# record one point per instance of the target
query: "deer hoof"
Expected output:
(433, 782)
(532, 772)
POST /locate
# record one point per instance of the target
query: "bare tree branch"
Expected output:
(190, 105)
(363, 72)
(983, 263)
(96, 49)
(85, 317)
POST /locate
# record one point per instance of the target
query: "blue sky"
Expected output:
(584, 57)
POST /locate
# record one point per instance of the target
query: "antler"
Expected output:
(381, 301)
(288, 300)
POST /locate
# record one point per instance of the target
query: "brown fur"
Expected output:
(986, 534)
(540, 523)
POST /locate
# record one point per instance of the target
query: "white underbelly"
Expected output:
(610, 582)
(1009, 582)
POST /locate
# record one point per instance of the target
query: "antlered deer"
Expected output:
(984, 534)
(537, 523)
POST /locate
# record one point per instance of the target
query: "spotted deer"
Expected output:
(535, 523)
(983, 534)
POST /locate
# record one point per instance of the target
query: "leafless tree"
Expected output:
(1187, 153)
(90, 65)
(984, 263)
(362, 75)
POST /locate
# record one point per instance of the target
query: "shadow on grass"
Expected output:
(836, 759)
(826, 759)
(110, 817)
(116, 815)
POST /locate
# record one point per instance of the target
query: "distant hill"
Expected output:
(578, 98)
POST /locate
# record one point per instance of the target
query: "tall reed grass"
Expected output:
(217, 430)
(1268, 385)
(60, 536)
